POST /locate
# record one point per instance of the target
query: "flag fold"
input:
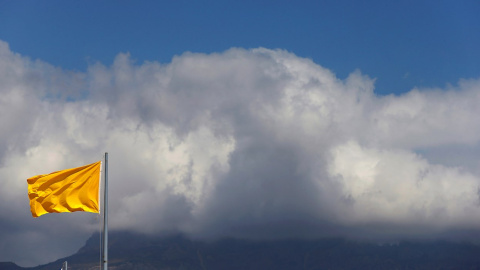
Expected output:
(68, 190)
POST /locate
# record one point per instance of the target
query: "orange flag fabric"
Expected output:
(68, 190)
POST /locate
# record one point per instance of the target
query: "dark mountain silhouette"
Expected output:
(134, 251)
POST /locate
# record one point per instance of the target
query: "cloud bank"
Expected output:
(254, 143)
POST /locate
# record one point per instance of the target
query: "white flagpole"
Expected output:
(105, 216)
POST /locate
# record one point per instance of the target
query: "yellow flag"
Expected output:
(69, 190)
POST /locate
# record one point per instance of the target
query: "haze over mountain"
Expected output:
(135, 251)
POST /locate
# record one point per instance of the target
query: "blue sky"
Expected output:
(248, 119)
(402, 44)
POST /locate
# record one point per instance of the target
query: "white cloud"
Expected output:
(399, 187)
(247, 143)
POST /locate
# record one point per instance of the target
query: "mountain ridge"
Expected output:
(137, 251)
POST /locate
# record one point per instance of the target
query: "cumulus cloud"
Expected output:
(244, 143)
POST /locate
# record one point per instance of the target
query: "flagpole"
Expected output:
(105, 216)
